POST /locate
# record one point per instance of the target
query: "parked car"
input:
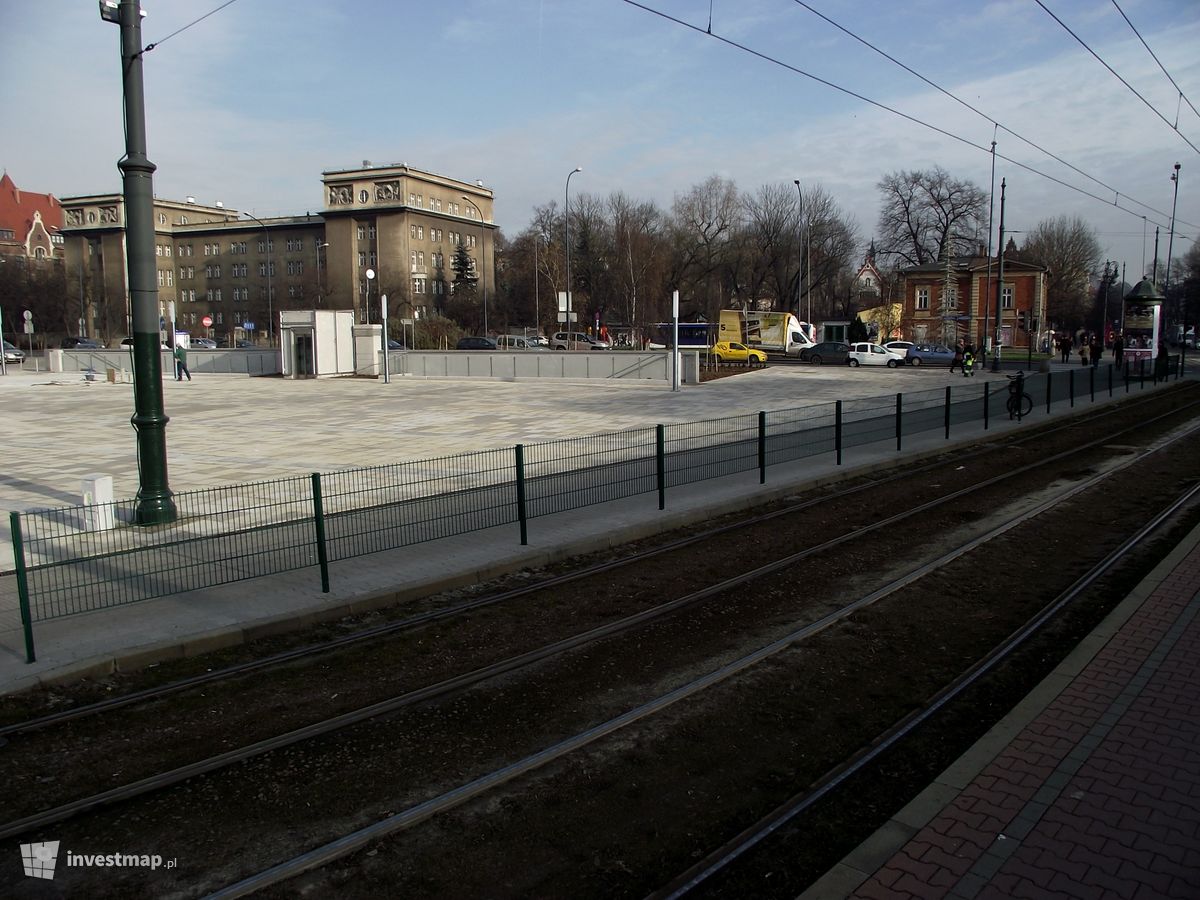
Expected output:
(901, 347)
(868, 354)
(576, 340)
(476, 343)
(81, 343)
(732, 351)
(128, 342)
(826, 352)
(395, 345)
(204, 343)
(13, 354)
(519, 342)
(243, 344)
(930, 355)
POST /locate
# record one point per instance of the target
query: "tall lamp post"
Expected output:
(567, 242)
(155, 503)
(482, 262)
(319, 245)
(270, 306)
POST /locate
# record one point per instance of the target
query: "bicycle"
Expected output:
(1019, 404)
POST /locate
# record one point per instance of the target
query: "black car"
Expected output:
(826, 352)
(81, 343)
(476, 343)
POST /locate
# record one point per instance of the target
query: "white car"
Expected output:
(868, 354)
(901, 347)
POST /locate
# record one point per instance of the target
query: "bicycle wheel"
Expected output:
(1011, 406)
(1026, 405)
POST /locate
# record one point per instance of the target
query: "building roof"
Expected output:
(967, 264)
(17, 208)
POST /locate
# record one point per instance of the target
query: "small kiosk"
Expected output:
(1142, 323)
(317, 342)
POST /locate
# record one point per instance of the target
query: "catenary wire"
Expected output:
(978, 112)
(1182, 95)
(1115, 202)
(1131, 88)
(154, 44)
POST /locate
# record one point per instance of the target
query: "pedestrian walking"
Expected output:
(1064, 345)
(1083, 351)
(181, 368)
(957, 361)
(1118, 351)
(1095, 351)
(968, 363)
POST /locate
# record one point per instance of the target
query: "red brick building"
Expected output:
(944, 303)
(29, 223)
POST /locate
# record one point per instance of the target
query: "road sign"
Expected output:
(28, 316)
(248, 326)
(206, 321)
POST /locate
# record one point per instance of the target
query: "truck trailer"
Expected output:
(771, 331)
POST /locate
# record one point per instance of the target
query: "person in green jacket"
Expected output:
(181, 368)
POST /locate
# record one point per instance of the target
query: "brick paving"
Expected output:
(1098, 796)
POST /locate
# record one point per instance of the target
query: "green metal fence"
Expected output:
(84, 558)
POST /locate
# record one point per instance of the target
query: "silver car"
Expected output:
(13, 354)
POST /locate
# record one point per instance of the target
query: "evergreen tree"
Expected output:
(857, 331)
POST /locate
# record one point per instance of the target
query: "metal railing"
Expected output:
(84, 558)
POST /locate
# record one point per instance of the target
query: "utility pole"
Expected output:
(999, 282)
(155, 505)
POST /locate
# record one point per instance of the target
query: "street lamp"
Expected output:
(1171, 240)
(317, 249)
(370, 273)
(270, 308)
(567, 242)
(482, 263)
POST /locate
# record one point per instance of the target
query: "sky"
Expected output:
(252, 103)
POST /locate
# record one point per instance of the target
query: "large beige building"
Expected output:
(400, 223)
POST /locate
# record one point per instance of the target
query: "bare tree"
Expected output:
(1069, 249)
(925, 215)
(704, 223)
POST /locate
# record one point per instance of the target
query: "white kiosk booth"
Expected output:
(317, 342)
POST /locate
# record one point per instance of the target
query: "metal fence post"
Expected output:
(14, 520)
(522, 514)
(762, 447)
(899, 421)
(837, 430)
(1142, 373)
(1049, 391)
(987, 394)
(1110, 368)
(319, 524)
(1092, 382)
(947, 412)
(1071, 386)
(660, 441)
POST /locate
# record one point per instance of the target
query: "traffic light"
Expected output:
(1021, 320)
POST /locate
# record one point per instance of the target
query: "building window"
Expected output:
(362, 260)
(162, 219)
(362, 232)
(363, 196)
(951, 298)
(167, 250)
(219, 318)
(371, 259)
(922, 298)
(420, 232)
(371, 232)
(1006, 297)
(412, 232)
(170, 277)
(183, 220)
(418, 285)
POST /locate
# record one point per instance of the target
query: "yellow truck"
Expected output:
(771, 331)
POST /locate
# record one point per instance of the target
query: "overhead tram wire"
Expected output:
(1182, 95)
(1132, 90)
(154, 44)
(978, 112)
(955, 137)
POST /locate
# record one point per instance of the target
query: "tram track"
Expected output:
(456, 686)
